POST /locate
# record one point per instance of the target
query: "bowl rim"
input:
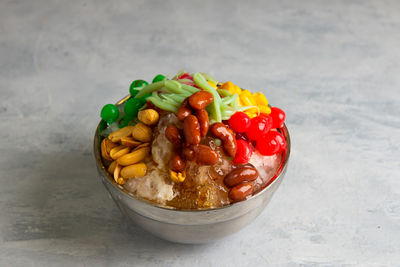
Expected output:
(99, 162)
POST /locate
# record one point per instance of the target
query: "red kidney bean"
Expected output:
(239, 175)
(241, 191)
(176, 163)
(184, 110)
(200, 100)
(191, 130)
(205, 155)
(174, 135)
(188, 153)
(227, 136)
(202, 116)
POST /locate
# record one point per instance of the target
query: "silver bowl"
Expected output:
(189, 226)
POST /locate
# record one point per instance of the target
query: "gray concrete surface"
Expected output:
(334, 66)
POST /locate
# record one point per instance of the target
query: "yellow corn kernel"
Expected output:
(250, 97)
(212, 84)
(260, 99)
(251, 114)
(247, 92)
(238, 90)
(229, 86)
(264, 109)
(177, 177)
(246, 100)
(253, 110)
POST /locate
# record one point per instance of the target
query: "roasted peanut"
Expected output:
(204, 122)
(134, 171)
(173, 135)
(118, 134)
(134, 157)
(112, 166)
(148, 116)
(121, 181)
(239, 175)
(184, 110)
(142, 132)
(106, 146)
(188, 153)
(117, 172)
(204, 155)
(129, 141)
(119, 151)
(176, 163)
(241, 191)
(142, 145)
(200, 99)
(191, 130)
(227, 136)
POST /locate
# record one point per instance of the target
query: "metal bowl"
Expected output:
(189, 226)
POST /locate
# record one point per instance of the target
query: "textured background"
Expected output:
(333, 66)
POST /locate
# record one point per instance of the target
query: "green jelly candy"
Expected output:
(109, 113)
(103, 125)
(133, 105)
(137, 84)
(158, 78)
(133, 92)
(124, 121)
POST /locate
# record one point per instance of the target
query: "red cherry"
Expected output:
(269, 145)
(243, 152)
(281, 140)
(278, 117)
(186, 76)
(259, 126)
(239, 122)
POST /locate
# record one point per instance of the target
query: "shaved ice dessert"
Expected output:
(191, 142)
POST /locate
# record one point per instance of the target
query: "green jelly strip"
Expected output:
(185, 81)
(174, 87)
(170, 93)
(177, 98)
(150, 88)
(162, 104)
(223, 92)
(190, 88)
(214, 107)
(229, 99)
(170, 100)
(209, 78)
